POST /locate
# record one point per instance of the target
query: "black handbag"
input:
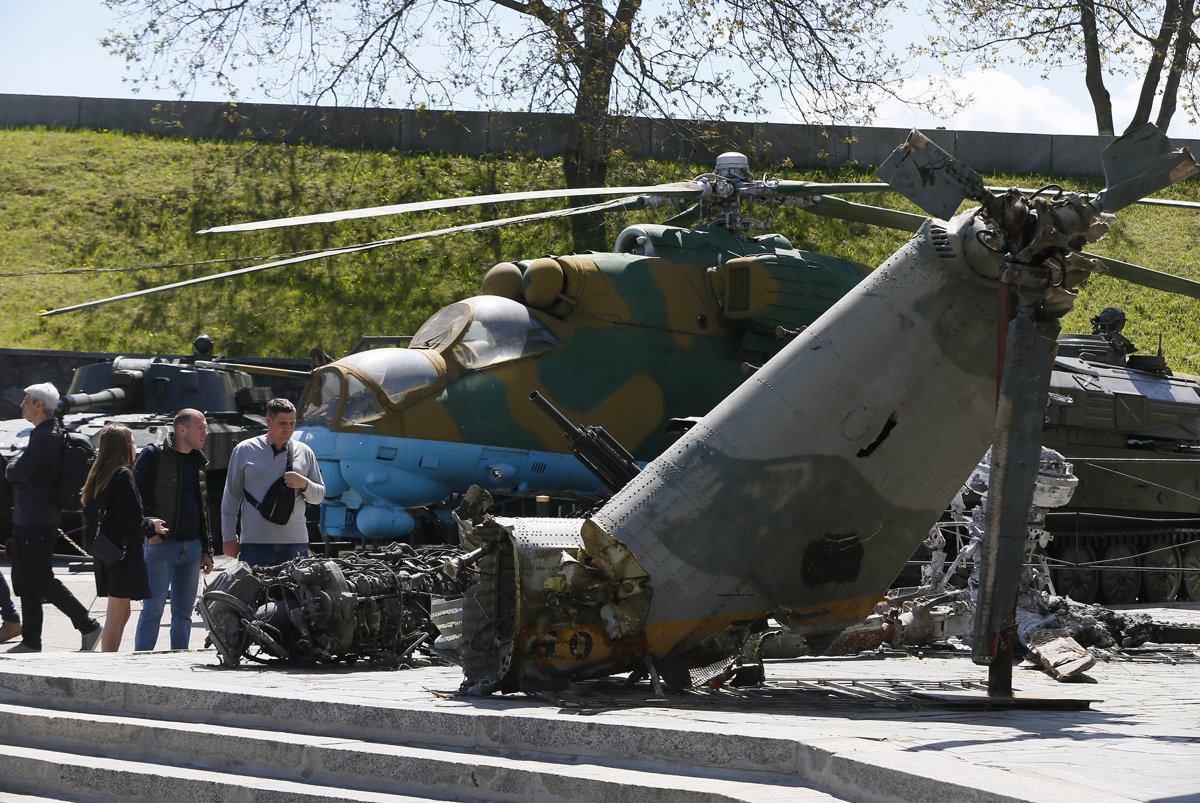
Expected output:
(105, 551)
(103, 548)
(279, 501)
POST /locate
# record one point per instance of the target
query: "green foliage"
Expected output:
(95, 204)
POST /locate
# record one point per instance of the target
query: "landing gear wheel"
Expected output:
(1080, 584)
(1161, 585)
(1119, 580)
(1191, 575)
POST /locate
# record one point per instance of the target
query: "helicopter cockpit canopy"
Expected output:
(484, 331)
(349, 391)
(473, 334)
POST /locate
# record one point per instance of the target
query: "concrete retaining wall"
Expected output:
(545, 135)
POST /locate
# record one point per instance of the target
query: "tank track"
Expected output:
(1121, 567)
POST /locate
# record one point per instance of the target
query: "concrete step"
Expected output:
(479, 726)
(70, 776)
(111, 752)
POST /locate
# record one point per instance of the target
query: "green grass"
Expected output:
(78, 209)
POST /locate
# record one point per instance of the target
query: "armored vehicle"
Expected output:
(1132, 430)
(144, 393)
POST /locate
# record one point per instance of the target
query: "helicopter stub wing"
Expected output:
(636, 202)
(678, 189)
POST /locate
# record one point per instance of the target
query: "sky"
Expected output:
(51, 47)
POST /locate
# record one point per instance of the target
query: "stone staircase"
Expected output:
(90, 739)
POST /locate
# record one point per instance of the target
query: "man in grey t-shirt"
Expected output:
(255, 465)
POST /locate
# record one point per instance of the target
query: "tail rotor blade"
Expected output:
(1146, 277)
(1141, 163)
(1016, 449)
(931, 178)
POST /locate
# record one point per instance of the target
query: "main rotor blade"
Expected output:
(678, 189)
(788, 187)
(264, 370)
(1147, 277)
(636, 202)
(840, 209)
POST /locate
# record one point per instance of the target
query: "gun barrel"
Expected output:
(107, 399)
(569, 429)
(594, 447)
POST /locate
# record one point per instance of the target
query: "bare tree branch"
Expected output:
(1112, 37)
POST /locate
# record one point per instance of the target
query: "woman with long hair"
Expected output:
(111, 501)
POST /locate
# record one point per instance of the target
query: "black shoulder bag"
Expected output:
(103, 548)
(279, 501)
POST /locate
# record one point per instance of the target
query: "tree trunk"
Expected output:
(1184, 40)
(585, 164)
(1154, 67)
(1094, 76)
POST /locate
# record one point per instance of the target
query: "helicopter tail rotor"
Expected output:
(1038, 240)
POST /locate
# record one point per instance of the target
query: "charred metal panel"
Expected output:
(832, 559)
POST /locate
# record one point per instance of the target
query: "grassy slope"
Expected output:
(96, 201)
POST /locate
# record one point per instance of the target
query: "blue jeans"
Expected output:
(270, 554)
(173, 566)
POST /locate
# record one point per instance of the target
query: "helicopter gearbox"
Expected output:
(588, 612)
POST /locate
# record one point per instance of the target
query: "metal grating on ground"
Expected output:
(806, 694)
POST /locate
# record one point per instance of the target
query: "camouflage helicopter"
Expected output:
(801, 495)
(663, 327)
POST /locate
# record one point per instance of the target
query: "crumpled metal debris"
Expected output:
(1057, 630)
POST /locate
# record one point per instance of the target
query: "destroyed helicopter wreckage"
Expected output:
(803, 493)
(1055, 630)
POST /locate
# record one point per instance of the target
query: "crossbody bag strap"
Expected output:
(256, 504)
(102, 508)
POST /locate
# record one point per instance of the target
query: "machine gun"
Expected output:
(595, 448)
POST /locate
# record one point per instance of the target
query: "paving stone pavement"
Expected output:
(1139, 740)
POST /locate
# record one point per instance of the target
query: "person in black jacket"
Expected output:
(36, 516)
(170, 477)
(112, 505)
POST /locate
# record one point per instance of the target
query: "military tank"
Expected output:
(1131, 428)
(144, 393)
